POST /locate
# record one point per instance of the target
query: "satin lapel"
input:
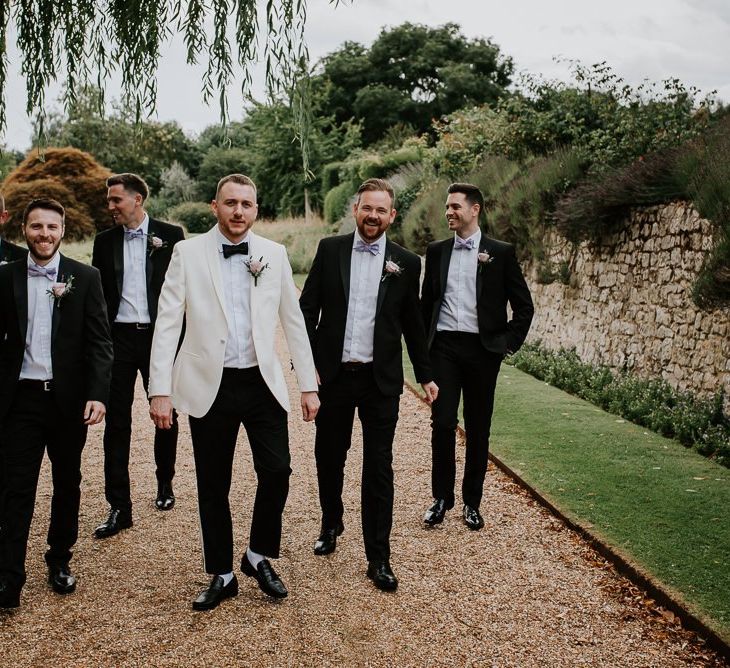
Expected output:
(149, 266)
(20, 289)
(345, 264)
(118, 257)
(446, 250)
(56, 317)
(383, 287)
(483, 247)
(214, 266)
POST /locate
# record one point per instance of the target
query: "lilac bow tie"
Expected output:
(362, 247)
(461, 244)
(48, 272)
(133, 234)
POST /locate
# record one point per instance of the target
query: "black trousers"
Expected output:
(131, 355)
(33, 425)
(243, 398)
(461, 365)
(356, 388)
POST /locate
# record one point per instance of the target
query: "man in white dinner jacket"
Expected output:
(231, 288)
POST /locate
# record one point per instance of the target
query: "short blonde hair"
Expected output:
(240, 179)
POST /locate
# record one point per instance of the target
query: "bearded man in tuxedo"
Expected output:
(55, 367)
(360, 298)
(469, 280)
(9, 252)
(132, 258)
(232, 287)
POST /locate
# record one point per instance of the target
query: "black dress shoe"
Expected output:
(327, 541)
(382, 575)
(117, 520)
(215, 593)
(435, 514)
(61, 579)
(472, 518)
(165, 497)
(9, 596)
(269, 582)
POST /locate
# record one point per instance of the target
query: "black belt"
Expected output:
(133, 325)
(356, 366)
(38, 385)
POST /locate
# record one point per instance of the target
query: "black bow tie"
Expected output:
(241, 249)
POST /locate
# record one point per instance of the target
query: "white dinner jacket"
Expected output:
(193, 288)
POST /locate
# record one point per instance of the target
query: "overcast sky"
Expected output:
(640, 39)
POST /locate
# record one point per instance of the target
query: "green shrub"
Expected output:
(693, 421)
(197, 217)
(336, 201)
(424, 222)
(330, 177)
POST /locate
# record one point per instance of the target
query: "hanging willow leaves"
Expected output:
(80, 42)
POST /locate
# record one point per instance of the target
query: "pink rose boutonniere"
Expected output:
(391, 268)
(59, 290)
(154, 243)
(256, 268)
(484, 259)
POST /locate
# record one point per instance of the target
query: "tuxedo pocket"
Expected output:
(187, 352)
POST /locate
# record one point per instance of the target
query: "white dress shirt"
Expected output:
(240, 352)
(459, 305)
(133, 305)
(37, 363)
(366, 272)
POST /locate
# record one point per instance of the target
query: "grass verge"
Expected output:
(665, 508)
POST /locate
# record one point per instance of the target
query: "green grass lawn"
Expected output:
(664, 507)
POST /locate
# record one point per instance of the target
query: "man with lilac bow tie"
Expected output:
(360, 298)
(132, 258)
(55, 366)
(469, 280)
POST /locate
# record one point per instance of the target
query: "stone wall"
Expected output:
(628, 304)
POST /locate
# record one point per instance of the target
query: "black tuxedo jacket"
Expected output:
(81, 346)
(10, 252)
(324, 304)
(108, 258)
(498, 282)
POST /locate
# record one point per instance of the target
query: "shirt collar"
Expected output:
(477, 237)
(145, 226)
(222, 239)
(55, 262)
(379, 240)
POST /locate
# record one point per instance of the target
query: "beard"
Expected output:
(41, 253)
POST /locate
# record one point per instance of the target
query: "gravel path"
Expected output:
(522, 592)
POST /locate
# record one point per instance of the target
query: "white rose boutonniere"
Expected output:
(256, 268)
(154, 243)
(59, 290)
(484, 259)
(391, 268)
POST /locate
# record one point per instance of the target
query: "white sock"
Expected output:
(254, 558)
(227, 577)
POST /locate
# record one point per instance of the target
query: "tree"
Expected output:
(116, 141)
(84, 40)
(72, 177)
(411, 74)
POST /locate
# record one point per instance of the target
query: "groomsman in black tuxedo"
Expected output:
(8, 252)
(132, 258)
(360, 297)
(55, 366)
(469, 281)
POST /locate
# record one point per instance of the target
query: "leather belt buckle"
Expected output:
(142, 325)
(47, 385)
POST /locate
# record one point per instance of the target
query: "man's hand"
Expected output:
(310, 405)
(161, 412)
(431, 390)
(94, 412)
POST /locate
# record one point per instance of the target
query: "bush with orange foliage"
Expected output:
(72, 177)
